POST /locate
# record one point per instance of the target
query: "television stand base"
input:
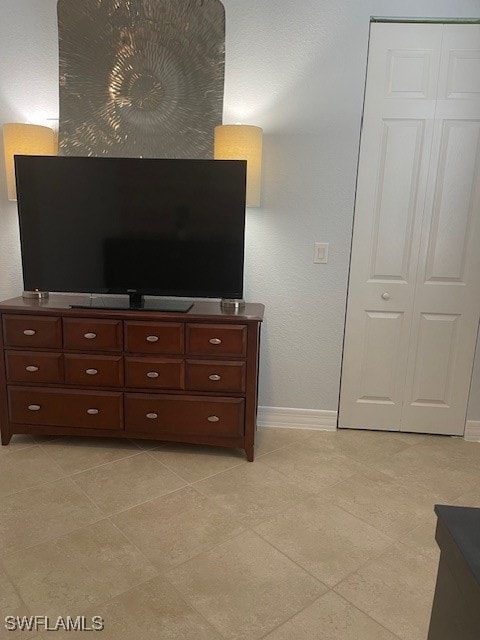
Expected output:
(232, 304)
(36, 295)
(135, 303)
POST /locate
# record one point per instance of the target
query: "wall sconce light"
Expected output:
(242, 142)
(28, 140)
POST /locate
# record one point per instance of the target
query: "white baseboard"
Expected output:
(472, 431)
(323, 420)
(297, 418)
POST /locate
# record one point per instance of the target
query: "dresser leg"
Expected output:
(250, 453)
(6, 437)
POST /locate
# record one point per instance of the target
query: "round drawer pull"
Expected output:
(91, 372)
(93, 412)
(29, 332)
(152, 338)
(90, 336)
(214, 377)
(34, 407)
(31, 368)
(215, 341)
(152, 416)
(386, 296)
(213, 419)
(152, 374)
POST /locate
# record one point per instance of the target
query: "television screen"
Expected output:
(110, 225)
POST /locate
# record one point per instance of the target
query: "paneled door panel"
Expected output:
(454, 202)
(460, 76)
(415, 260)
(447, 293)
(435, 352)
(382, 344)
(396, 199)
(393, 170)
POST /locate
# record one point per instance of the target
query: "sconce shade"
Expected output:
(242, 142)
(28, 140)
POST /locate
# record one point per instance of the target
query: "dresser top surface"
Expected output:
(61, 304)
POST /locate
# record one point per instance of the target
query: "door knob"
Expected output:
(386, 296)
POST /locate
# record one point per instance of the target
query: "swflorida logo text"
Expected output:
(45, 623)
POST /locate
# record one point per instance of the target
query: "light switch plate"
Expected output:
(320, 255)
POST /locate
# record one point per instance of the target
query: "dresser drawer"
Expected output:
(211, 375)
(95, 334)
(155, 373)
(154, 337)
(216, 339)
(65, 408)
(185, 415)
(34, 366)
(94, 370)
(32, 331)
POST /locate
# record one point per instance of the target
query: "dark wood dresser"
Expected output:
(184, 377)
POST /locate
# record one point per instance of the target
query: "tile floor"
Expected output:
(327, 535)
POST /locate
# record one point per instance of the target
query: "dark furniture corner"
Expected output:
(456, 604)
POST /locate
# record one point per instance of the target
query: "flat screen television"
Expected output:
(134, 226)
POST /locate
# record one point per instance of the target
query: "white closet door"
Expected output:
(395, 153)
(414, 293)
(447, 296)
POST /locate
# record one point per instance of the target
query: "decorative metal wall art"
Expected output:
(140, 77)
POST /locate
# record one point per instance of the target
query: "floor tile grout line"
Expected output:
(364, 564)
(191, 482)
(65, 475)
(365, 613)
(103, 464)
(259, 535)
(96, 466)
(214, 547)
(397, 544)
(165, 570)
(391, 544)
(137, 453)
(64, 535)
(194, 608)
(319, 598)
(101, 603)
(360, 517)
(6, 452)
(133, 506)
(13, 584)
(310, 604)
(52, 539)
(184, 600)
(87, 526)
(97, 507)
(369, 615)
(366, 468)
